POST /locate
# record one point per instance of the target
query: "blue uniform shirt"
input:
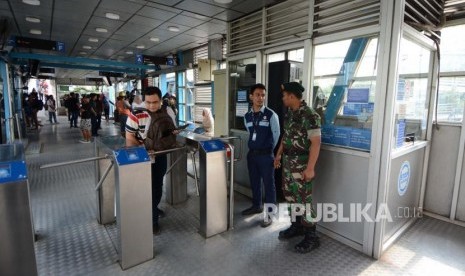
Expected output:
(265, 124)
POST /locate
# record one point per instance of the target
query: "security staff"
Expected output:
(262, 124)
(300, 147)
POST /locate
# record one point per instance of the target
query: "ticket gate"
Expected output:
(123, 188)
(216, 215)
(130, 186)
(17, 255)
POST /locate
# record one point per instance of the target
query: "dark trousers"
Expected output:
(261, 168)
(52, 115)
(74, 118)
(95, 120)
(158, 172)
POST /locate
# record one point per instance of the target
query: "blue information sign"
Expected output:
(60, 46)
(127, 156)
(139, 59)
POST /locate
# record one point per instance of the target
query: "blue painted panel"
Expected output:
(212, 145)
(127, 156)
(12, 171)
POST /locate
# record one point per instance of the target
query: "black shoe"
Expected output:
(295, 230)
(267, 223)
(156, 229)
(161, 213)
(309, 243)
(252, 211)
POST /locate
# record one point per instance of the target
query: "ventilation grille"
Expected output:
(332, 16)
(246, 32)
(426, 15)
(286, 21)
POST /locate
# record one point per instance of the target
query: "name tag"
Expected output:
(265, 124)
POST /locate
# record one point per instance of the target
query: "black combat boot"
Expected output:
(310, 241)
(296, 229)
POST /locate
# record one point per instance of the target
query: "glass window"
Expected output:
(344, 90)
(452, 89)
(296, 55)
(412, 93)
(451, 99)
(243, 74)
(185, 96)
(276, 57)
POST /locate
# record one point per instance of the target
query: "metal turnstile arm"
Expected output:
(99, 184)
(53, 165)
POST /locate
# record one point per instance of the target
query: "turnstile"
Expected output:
(125, 178)
(213, 188)
(17, 255)
(212, 181)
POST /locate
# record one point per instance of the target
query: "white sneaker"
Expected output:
(83, 141)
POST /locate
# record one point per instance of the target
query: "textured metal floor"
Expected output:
(73, 243)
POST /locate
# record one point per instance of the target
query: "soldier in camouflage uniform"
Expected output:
(300, 147)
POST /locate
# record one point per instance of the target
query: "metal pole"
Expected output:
(73, 162)
(18, 125)
(231, 189)
(165, 151)
(99, 184)
(171, 167)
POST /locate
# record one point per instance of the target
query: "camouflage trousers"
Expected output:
(295, 189)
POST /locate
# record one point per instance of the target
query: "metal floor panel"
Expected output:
(73, 243)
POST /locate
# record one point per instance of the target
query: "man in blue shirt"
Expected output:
(262, 124)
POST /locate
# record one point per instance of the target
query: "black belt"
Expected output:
(295, 152)
(260, 151)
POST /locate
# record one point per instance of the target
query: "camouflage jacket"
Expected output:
(299, 126)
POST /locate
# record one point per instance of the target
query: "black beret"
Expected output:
(294, 88)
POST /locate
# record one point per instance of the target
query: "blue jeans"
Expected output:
(52, 115)
(122, 122)
(158, 172)
(260, 168)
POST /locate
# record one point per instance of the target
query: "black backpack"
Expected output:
(160, 133)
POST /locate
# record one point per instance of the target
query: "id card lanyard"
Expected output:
(255, 121)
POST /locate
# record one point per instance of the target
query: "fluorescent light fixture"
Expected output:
(129, 52)
(32, 19)
(154, 39)
(223, 1)
(35, 31)
(93, 39)
(101, 30)
(32, 2)
(87, 47)
(140, 46)
(173, 29)
(83, 53)
(113, 16)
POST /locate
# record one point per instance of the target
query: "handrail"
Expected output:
(155, 153)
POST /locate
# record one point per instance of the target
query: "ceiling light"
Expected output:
(154, 39)
(173, 29)
(140, 46)
(129, 52)
(35, 31)
(32, 2)
(93, 39)
(101, 30)
(113, 16)
(83, 53)
(32, 19)
(223, 1)
(86, 47)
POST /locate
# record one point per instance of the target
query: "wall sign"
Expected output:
(404, 177)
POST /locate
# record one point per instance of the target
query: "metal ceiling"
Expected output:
(74, 22)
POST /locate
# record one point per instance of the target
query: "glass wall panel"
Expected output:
(344, 91)
(412, 93)
(243, 74)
